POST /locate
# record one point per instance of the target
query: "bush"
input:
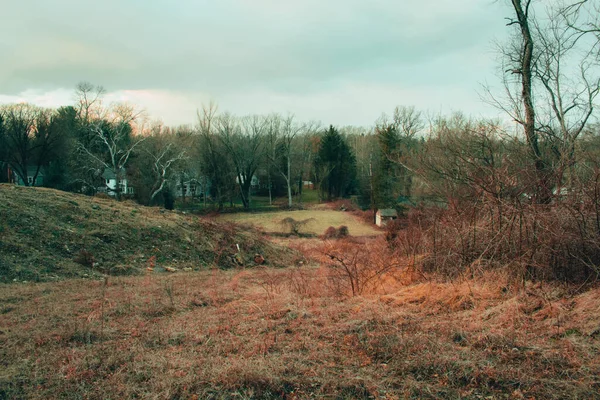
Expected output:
(357, 268)
(330, 233)
(292, 226)
(556, 241)
(85, 258)
(339, 233)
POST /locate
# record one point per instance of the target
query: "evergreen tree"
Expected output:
(337, 163)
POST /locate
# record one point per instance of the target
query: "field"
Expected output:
(280, 333)
(322, 218)
(235, 328)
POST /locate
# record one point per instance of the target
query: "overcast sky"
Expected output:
(342, 62)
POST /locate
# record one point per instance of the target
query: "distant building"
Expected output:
(110, 183)
(384, 216)
(192, 188)
(254, 182)
(16, 178)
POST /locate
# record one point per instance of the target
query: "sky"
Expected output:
(341, 62)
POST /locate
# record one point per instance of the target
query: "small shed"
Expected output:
(385, 215)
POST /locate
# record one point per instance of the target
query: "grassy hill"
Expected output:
(47, 234)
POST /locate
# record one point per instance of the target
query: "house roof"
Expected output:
(388, 212)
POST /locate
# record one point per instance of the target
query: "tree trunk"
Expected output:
(543, 192)
(289, 181)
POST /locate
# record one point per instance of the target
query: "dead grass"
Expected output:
(280, 333)
(266, 332)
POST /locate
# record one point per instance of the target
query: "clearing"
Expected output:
(264, 332)
(322, 219)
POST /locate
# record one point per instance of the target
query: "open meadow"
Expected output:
(340, 320)
(320, 218)
(284, 333)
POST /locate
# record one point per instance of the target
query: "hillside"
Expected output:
(47, 235)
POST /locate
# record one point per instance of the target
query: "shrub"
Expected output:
(541, 242)
(85, 258)
(342, 232)
(330, 233)
(357, 268)
(292, 226)
(339, 233)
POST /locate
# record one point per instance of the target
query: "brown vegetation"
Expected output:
(422, 312)
(270, 333)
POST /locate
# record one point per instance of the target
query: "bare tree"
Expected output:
(408, 121)
(244, 143)
(558, 83)
(30, 138)
(523, 68)
(214, 158)
(111, 141)
(288, 132)
(88, 100)
(270, 149)
(584, 18)
(304, 145)
(571, 84)
(164, 156)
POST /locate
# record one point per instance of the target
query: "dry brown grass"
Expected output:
(281, 333)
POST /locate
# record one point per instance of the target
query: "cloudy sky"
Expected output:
(338, 61)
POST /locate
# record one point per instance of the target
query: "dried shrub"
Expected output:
(394, 228)
(292, 226)
(357, 268)
(339, 233)
(343, 231)
(85, 258)
(330, 233)
(541, 242)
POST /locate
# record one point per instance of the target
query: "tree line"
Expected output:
(549, 70)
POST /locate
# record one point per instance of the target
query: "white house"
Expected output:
(110, 183)
(254, 182)
(192, 188)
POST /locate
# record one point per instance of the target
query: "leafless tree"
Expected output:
(571, 83)
(30, 138)
(164, 156)
(408, 121)
(288, 131)
(112, 141)
(303, 144)
(243, 140)
(550, 82)
(88, 101)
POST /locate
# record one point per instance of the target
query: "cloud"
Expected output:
(232, 49)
